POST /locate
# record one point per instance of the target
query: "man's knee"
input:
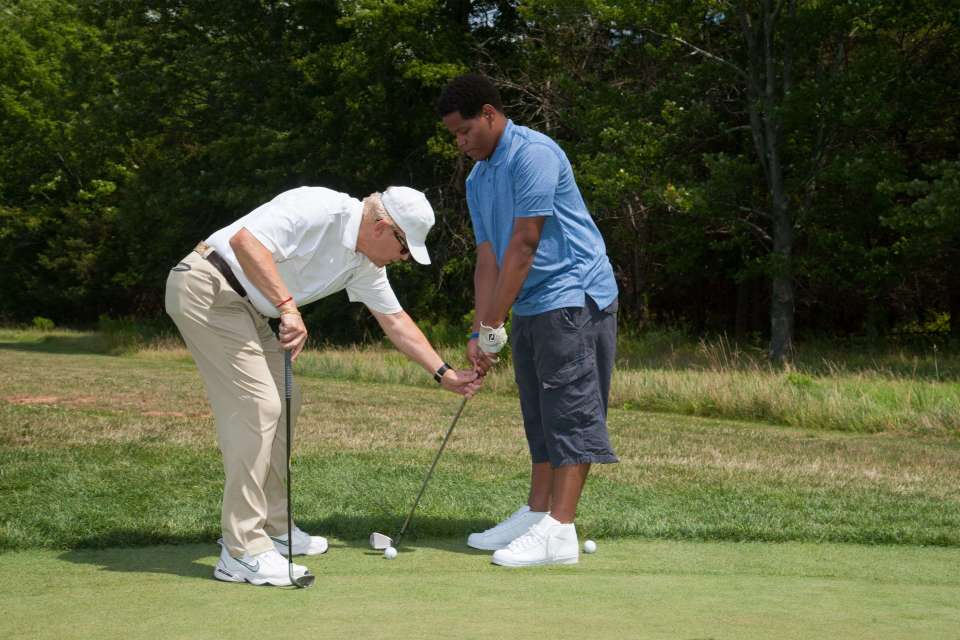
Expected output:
(256, 413)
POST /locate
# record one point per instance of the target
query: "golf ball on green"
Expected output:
(589, 546)
(389, 553)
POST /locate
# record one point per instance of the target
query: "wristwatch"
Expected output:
(438, 374)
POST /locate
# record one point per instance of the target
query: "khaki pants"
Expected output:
(241, 363)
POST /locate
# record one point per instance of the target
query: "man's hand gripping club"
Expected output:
(492, 339)
(292, 331)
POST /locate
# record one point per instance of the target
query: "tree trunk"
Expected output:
(765, 99)
(781, 320)
(639, 284)
(782, 301)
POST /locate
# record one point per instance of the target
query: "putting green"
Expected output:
(441, 589)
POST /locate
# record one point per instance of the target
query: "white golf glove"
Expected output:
(492, 339)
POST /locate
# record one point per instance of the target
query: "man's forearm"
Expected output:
(485, 277)
(517, 260)
(409, 340)
(516, 265)
(259, 267)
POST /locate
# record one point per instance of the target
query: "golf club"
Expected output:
(306, 580)
(380, 541)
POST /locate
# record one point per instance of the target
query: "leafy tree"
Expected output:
(755, 165)
(59, 163)
(927, 217)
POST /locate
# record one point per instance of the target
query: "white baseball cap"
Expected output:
(411, 211)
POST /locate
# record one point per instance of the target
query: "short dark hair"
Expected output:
(467, 94)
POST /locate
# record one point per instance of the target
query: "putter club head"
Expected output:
(379, 541)
(305, 581)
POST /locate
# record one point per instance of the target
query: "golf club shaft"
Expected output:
(426, 480)
(306, 580)
(287, 394)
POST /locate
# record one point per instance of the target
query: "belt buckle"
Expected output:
(203, 249)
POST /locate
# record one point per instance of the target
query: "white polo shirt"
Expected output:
(312, 234)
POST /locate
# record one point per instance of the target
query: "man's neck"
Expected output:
(501, 124)
(364, 236)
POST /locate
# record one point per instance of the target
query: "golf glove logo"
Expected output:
(492, 340)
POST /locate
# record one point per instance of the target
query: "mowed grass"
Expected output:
(441, 589)
(110, 483)
(97, 451)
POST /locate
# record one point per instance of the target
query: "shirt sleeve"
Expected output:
(281, 231)
(371, 287)
(536, 173)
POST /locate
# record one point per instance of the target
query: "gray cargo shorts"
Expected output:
(563, 360)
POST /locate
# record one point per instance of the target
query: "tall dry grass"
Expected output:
(894, 392)
(858, 401)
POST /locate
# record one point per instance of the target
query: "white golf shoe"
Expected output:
(268, 567)
(499, 536)
(547, 542)
(304, 544)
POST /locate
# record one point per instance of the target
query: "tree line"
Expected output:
(758, 167)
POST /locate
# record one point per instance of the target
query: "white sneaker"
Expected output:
(547, 542)
(303, 543)
(268, 567)
(499, 536)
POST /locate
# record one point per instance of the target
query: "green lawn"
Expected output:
(441, 589)
(109, 505)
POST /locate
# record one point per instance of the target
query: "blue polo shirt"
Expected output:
(528, 175)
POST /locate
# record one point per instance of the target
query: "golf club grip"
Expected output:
(433, 466)
(287, 375)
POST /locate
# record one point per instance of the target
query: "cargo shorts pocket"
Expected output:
(569, 394)
(560, 375)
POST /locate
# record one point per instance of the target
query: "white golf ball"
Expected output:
(389, 553)
(589, 546)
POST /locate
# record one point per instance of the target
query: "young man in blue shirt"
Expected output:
(539, 252)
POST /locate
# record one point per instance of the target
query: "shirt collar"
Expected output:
(351, 227)
(503, 145)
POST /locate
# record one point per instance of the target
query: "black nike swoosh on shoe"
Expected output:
(251, 567)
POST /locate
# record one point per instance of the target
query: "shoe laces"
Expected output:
(531, 538)
(279, 562)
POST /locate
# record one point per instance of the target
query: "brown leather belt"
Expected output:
(221, 265)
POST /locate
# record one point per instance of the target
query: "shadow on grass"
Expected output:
(188, 557)
(441, 533)
(81, 344)
(411, 544)
(180, 560)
